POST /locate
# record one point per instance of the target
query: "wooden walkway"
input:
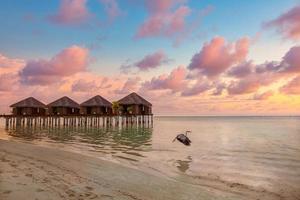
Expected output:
(78, 120)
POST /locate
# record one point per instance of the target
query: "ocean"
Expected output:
(240, 155)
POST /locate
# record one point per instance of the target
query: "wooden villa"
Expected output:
(134, 104)
(97, 111)
(63, 106)
(29, 106)
(96, 106)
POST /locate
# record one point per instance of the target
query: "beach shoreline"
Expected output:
(33, 172)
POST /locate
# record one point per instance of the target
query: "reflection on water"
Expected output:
(240, 155)
(123, 143)
(183, 165)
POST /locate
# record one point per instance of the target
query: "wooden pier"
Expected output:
(78, 120)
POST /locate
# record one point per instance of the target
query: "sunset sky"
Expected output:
(187, 57)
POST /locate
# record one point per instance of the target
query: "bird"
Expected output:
(183, 138)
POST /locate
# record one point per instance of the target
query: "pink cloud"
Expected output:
(10, 64)
(289, 64)
(292, 87)
(175, 81)
(263, 96)
(250, 84)
(8, 82)
(83, 85)
(131, 85)
(201, 86)
(112, 9)
(151, 61)
(291, 61)
(219, 88)
(9, 69)
(241, 70)
(71, 12)
(177, 21)
(287, 24)
(165, 18)
(88, 83)
(160, 6)
(217, 56)
(243, 87)
(68, 62)
(267, 67)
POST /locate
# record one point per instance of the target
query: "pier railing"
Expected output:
(77, 120)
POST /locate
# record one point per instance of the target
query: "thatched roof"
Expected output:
(96, 101)
(134, 99)
(29, 102)
(64, 102)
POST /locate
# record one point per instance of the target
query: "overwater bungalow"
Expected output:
(96, 106)
(63, 106)
(28, 106)
(134, 104)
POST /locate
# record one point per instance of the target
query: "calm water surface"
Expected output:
(241, 155)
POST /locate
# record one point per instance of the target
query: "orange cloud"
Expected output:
(292, 87)
(263, 96)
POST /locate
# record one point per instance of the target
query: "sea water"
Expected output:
(241, 155)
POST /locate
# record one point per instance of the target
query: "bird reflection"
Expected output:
(184, 165)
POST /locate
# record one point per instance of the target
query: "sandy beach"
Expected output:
(32, 172)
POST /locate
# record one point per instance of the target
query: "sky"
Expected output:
(187, 57)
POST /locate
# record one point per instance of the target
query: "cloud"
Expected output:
(219, 88)
(175, 81)
(289, 64)
(112, 9)
(263, 96)
(166, 18)
(66, 63)
(150, 61)
(131, 85)
(71, 12)
(88, 85)
(217, 56)
(252, 77)
(8, 82)
(10, 65)
(83, 85)
(243, 86)
(192, 28)
(272, 66)
(291, 61)
(241, 70)
(249, 84)
(201, 86)
(158, 6)
(9, 69)
(292, 87)
(287, 24)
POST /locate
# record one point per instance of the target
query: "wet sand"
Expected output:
(31, 172)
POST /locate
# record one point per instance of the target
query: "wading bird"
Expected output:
(183, 138)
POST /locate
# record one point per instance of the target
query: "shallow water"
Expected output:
(241, 155)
